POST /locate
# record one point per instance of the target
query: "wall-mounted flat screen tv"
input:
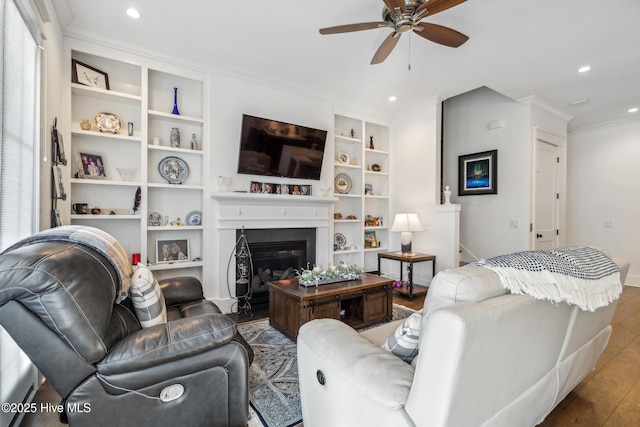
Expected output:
(273, 148)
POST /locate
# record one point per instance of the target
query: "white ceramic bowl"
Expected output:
(127, 174)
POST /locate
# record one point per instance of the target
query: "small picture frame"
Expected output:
(368, 189)
(172, 250)
(478, 173)
(295, 189)
(89, 76)
(91, 166)
(305, 190)
(256, 187)
(267, 188)
(370, 239)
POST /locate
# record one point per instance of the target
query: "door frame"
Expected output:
(540, 134)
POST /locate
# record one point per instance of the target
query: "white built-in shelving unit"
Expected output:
(142, 93)
(361, 150)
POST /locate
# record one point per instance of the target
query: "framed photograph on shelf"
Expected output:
(305, 190)
(91, 166)
(368, 189)
(370, 239)
(478, 173)
(89, 76)
(173, 250)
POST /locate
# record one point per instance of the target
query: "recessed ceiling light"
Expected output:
(133, 13)
(579, 101)
(392, 98)
(584, 69)
(633, 110)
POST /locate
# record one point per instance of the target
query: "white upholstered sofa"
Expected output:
(486, 358)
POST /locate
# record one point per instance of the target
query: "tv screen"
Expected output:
(272, 148)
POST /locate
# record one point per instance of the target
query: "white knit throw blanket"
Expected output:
(93, 238)
(582, 276)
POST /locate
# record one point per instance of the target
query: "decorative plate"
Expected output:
(376, 167)
(173, 169)
(343, 183)
(339, 239)
(107, 122)
(343, 158)
(194, 218)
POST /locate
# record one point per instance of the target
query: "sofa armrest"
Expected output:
(179, 290)
(168, 342)
(345, 357)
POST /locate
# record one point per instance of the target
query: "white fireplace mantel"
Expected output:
(233, 211)
(251, 210)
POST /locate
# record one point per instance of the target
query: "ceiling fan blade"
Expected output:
(390, 5)
(353, 27)
(437, 6)
(385, 48)
(441, 35)
(400, 4)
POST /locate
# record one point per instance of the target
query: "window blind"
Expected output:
(19, 76)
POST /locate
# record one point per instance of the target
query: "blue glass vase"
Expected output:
(175, 101)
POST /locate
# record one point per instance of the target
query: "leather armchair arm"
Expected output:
(179, 290)
(168, 342)
(347, 359)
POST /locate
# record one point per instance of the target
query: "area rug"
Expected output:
(274, 394)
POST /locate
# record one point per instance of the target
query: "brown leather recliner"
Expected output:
(57, 300)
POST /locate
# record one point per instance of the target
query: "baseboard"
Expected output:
(632, 280)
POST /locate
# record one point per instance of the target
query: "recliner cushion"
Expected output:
(147, 298)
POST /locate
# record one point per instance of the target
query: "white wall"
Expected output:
(603, 179)
(484, 219)
(52, 106)
(415, 188)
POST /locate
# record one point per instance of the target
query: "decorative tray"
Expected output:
(343, 183)
(173, 169)
(107, 122)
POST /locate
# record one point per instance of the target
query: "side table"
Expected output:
(410, 258)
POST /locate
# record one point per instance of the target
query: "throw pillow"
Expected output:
(147, 298)
(404, 341)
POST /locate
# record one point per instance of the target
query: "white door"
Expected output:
(546, 190)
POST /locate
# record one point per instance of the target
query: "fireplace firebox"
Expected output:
(276, 254)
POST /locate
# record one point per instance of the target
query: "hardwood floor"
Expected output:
(608, 397)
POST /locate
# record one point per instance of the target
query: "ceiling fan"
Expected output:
(405, 15)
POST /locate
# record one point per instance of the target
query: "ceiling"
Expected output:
(518, 48)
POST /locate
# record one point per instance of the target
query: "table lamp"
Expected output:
(406, 223)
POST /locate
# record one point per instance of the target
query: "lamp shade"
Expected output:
(406, 222)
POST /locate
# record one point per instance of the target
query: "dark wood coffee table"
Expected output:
(358, 303)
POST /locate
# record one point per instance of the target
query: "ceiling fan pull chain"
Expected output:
(409, 67)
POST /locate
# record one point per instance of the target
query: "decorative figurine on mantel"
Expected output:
(353, 133)
(371, 143)
(447, 195)
(175, 101)
(194, 142)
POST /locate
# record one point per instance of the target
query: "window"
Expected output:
(19, 77)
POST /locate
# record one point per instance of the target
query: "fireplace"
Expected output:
(276, 254)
